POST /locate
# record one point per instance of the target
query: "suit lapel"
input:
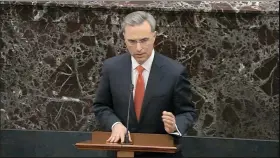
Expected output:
(154, 81)
(126, 80)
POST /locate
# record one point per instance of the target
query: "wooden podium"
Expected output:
(140, 142)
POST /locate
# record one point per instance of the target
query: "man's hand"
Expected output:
(169, 122)
(118, 133)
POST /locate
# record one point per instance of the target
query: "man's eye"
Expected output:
(144, 40)
(132, 41)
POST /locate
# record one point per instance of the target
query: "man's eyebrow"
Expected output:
(138, 39)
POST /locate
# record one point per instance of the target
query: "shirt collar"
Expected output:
(146, 65)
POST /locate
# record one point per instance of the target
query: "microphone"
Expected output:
(126, 137)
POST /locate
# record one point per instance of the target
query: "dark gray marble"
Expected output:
(22, 143)
(51, 57)
(197, 6)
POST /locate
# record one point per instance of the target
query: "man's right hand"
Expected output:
(118, 133)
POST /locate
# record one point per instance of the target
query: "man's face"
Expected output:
(139, 41)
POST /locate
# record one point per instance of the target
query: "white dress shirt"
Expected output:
(147, 68)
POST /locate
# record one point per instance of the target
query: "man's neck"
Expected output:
(147, 64)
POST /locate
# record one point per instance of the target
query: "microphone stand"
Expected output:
(126, 137)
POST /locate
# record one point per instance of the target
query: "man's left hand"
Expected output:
(169, 122)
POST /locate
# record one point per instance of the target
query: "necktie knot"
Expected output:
(140, 69)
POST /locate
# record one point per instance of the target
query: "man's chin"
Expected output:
(141, 60)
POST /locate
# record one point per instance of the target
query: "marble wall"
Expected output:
(51, 58)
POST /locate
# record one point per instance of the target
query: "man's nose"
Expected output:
(138, 46)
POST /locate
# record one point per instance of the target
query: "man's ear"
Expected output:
(121, 34)
(155, 34)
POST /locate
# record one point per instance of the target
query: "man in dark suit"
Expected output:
(161, 96)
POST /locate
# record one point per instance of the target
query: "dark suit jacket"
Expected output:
(167, 89)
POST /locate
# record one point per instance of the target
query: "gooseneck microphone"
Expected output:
(126, 137)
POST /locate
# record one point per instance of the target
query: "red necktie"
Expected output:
(139, 91)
